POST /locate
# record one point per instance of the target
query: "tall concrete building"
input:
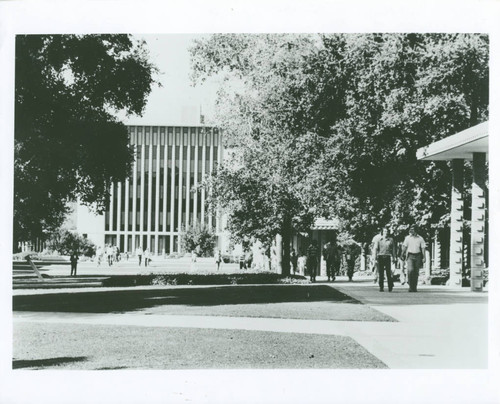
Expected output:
(152, 207)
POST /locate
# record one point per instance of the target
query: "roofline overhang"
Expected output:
(459, 146)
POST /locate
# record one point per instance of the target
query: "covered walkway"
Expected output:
(470, 144)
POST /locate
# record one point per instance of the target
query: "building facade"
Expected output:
(157, 202)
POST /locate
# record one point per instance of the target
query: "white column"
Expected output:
(478, 221)
(279, 254)
(179, 218)
(127, 207)
(150, 198)
(203, 173)
(436, 257)
(157, 196)
(219, 160)
(427, 266)
(211, 170)
(165, 182)
(141, 213)
(111, 208)
(188, 179)
(195, 195)
(134, 201)
(118, 213)
(456, 223)
(172, 195)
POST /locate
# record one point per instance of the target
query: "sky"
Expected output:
(167, 105)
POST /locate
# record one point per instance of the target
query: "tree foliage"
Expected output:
(68, 143)
(263, 186)
(402, 92)
(329, 125)
(199, 238)
(65, 242)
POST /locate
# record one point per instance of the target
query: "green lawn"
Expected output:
(315, 302)
(98, 347)
(41, 345)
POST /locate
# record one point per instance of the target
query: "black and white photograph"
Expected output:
(214, 208)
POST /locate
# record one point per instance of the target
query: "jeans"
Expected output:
(330, 269)
(413, 265)
(311, 266)
(384, 265)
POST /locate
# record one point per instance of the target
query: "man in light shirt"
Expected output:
(375, 240)
(414, 254)
(385, 251)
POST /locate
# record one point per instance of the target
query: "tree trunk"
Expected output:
(286, 235)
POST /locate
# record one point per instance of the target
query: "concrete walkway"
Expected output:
(436, 328)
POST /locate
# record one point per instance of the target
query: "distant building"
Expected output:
(152, 207)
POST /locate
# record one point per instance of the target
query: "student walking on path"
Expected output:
(138, 252)
(353, 250)
(375, 240)
(74, 261)
(385, 251)
(414, 254)
(312, 259)
(332, 257)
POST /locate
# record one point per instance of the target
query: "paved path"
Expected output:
(131, 267)
(436, 328)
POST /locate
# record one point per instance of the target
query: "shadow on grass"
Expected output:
(42, 363)
(129, 300)
(113, 368)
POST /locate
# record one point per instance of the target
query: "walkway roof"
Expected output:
(325, 224)
(459, 146)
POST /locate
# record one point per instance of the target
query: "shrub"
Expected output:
(65, 242)
(199, 238)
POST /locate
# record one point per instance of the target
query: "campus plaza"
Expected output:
(150, 209)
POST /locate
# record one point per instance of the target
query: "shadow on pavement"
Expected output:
(129, 300)
(424, 296)
(42, 363)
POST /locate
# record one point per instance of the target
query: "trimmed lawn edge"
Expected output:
(203, 279)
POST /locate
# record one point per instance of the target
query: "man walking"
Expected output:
(414, 254)
(312, 260)
(402, 264)
(73, 258)
(138, 253)
(385, 251)
(353, 250)
(331, 256)
(375, 240)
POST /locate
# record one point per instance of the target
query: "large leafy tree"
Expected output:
(333, 123)
(394, 94)
(68, 143)
(265, 186)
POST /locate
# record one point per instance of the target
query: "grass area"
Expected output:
(247, 278)
(99, 347)
(321, 302)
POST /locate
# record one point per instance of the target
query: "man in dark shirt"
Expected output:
(74, 260)
(385, 251)
(331, 255)
(312, 259)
